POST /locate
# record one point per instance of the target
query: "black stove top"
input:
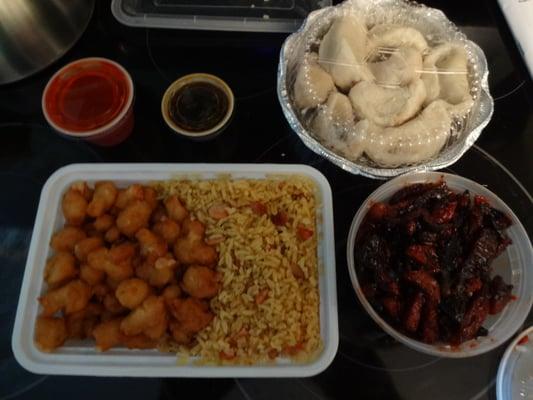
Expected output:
(369, 363)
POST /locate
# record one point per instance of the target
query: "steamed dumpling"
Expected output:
(333, 120)
(417, 140)
(395, 36)
(312, 85)
(445, 74)
(403, 66)
(387, 106)
(343, 52)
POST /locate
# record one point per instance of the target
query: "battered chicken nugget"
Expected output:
(122, 252)
(116, 263)
(105, 194)
(128, 195)
(112, 235)
(85, 246)
(99, 291)
(165, 262)
(168, 229)
(159, 214)
(107, 334)
(132, 292)
(70, 298)
(81, 323)
(200, 282)
(84, 189)
(91, 275)
(155, 277)
(149, 314)
(175, 209)
(158, 330)
(66, 238)
(50, 333)
(134, 217)
(60, 268)
(112, 304)
(150, 196)
(74, 206)
(138, 342)
(152, 246)
(192, 314)
(103, 223)
(171, 292)
(191, 248)
(179, 335)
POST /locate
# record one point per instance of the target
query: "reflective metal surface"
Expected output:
(35, 33)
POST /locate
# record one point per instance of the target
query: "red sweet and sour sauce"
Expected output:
(86, 95)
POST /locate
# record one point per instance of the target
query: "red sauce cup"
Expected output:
(90, 99)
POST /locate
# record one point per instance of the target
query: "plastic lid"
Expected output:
(515, 375)
(226, 15)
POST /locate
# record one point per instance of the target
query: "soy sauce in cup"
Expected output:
(197, 105)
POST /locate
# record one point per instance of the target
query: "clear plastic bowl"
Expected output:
(515, 266)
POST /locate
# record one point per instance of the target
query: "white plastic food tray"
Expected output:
(81, 358)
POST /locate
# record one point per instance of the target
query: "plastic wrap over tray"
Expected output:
(374, 86)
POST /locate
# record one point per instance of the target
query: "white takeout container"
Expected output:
(515, 266)
(515, 374)
(81, 358)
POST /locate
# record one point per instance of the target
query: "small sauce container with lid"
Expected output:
(198, 106)
(90, 99)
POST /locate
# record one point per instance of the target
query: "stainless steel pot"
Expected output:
(35, 33)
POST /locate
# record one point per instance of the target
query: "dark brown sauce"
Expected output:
(198, 106)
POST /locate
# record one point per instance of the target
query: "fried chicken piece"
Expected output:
(168, 229)
(112, 304)
(192, 314)
(105, 194)
(60, 268)
(132, 292)
(158, 330)
(165, 262)
(139, 342)
(112, 235)
(81, 323)
(91, 275)
(66, 238)
(175, 209)
(148, 315)
(150, 196)
(151, 246)
(129, 195)
(191, 248)
(103, 223)
(157, 277)
(159, 214)
(200, 282)
(134, 217)
(99, 291)
(116, 262)
(50, 333)
(74, 206)
(179, 335)
(70, 298)
(85, 246)
(107, 334)
(171, 292)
